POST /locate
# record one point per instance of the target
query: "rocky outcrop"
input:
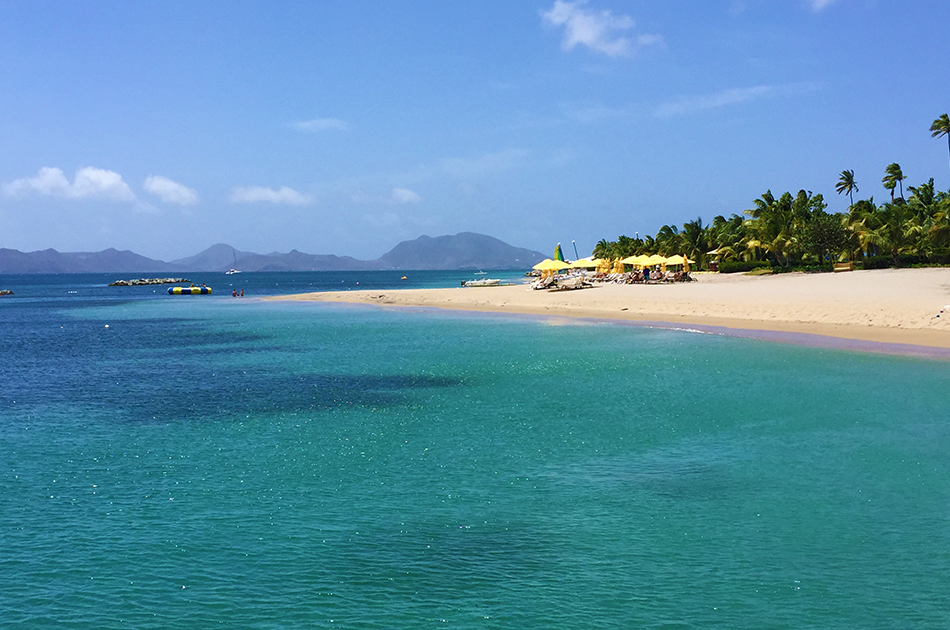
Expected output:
(143, 281)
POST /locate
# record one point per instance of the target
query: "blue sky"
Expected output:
(345, 127)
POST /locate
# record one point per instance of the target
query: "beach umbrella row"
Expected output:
(551, 265)
(656, 259)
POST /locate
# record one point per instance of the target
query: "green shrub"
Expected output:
(905, 260)
(877, 262)
(738, 266)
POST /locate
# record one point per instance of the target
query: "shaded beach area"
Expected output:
(902, 307)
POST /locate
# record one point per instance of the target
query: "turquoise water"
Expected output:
(211, 462)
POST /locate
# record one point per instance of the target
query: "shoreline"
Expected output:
(898, 308)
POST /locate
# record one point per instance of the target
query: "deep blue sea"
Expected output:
(205, 461)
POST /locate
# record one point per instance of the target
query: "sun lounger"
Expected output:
(568, 284)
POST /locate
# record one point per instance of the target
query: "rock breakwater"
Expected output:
(143, 281)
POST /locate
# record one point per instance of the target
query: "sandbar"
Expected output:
(910, 307)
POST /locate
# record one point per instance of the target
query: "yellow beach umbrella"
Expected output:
(584, 263)
(636, 261)
(655, 259)
(550, 265)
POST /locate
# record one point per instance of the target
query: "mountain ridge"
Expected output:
(465, 250)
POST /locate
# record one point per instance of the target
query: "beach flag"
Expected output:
(557, 253)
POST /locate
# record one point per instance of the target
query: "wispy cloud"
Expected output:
(598, 30)
(591, 112)
(256, 194)
(818, 5)
(732, 96)
(483, 164)
(404, 195)
(89, 183)
(320, 124)
(170, 191)
(691, 104)
(397, 196)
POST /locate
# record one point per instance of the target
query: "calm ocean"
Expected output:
(204, 461)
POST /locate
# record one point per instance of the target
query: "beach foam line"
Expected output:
(893, 306)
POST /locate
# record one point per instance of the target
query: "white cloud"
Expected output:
(89, 183)
(690, 104)
(321, 124)
(397, 196)
(404, 195)
(143, 207)
(254, 194)
(598, 30)
(818, 5)
(170, 191)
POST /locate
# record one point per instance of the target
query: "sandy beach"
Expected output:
(893, 306)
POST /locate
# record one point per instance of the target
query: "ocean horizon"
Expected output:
(205, 461)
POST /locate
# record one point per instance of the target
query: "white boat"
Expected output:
(482, 282)
(233, 270)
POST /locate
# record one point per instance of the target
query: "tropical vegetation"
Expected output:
(793, 231)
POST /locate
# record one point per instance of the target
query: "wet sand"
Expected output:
(887, 306)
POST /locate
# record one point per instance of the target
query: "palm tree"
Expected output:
(863, 220)
(695, 241)
(939, 232)
(668, 240)
(895, 234)
(602, 249)
(893, 177)
(941, 127)
(846, 185)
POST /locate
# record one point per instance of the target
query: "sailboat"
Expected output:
(232, 270)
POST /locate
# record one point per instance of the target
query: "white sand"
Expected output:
(888, 305)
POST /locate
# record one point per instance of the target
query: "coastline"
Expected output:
(887, 306)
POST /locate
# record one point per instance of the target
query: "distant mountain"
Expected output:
(299, 261)
(466, 250)
(220, 257)
(52, 261)
(461, 251)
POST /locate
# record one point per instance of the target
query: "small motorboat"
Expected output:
(482, 282)
(189, 290)
(231, 271)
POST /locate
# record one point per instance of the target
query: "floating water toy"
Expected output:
(189, 290)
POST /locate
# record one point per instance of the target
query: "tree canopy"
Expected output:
(794, 230)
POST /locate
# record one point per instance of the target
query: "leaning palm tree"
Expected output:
(602, 249)
(846, 185)
(941, 127)
(893, 176)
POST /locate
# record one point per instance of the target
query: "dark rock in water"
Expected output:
(6, 292)
(143, 281)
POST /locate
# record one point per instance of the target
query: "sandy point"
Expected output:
(910, 307)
